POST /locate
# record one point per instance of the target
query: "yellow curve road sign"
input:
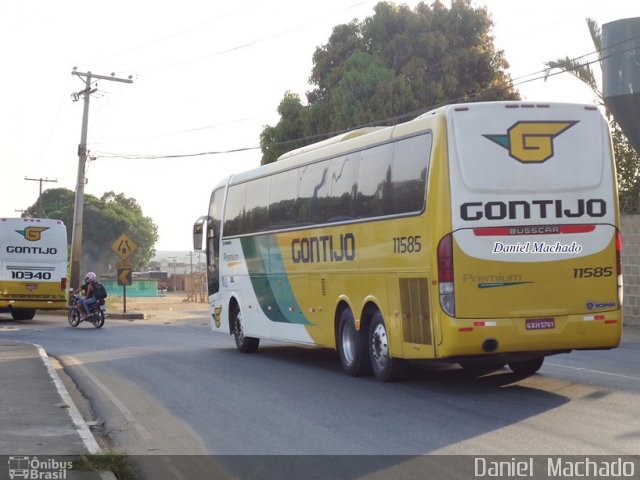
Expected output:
(124, 276)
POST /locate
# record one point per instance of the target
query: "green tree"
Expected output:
(284, 137)
(104, 219)
(390, 67)
(627, 159)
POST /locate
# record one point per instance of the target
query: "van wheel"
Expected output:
(244, 344)
(352, 346)
(527, 367)
(384, 367)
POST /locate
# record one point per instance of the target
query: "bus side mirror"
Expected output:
(198, 230)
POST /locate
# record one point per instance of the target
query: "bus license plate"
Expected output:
(540, 323)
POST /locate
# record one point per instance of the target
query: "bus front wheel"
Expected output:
(385, 367)
(244, 344)
(352, 346)
(526, 367)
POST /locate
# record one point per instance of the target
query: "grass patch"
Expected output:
(116, 463)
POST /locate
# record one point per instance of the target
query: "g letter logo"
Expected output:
(32, 234)
(531, 142)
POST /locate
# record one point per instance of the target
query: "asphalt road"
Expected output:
(174, 387)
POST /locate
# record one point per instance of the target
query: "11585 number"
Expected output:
(589, 272)
(410, 244)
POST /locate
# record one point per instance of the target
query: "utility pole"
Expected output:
(191, 260)
(175, 259)
(41, 180)
(78, 210)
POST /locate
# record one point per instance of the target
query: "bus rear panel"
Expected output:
(33, 266)
(535, 247)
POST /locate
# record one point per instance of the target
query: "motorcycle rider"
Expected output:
(88, 294)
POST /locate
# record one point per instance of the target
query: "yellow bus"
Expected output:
(482, 234)
(33, 266)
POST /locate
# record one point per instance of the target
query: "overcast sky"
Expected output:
(207, 76)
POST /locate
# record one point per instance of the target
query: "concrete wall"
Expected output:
(631, 268)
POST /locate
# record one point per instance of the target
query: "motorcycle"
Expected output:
(97, 313)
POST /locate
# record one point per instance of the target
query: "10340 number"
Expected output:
(19, 275)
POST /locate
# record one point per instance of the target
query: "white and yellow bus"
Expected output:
(483, 234)
(33, 266)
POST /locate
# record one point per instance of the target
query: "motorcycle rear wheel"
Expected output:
(98, 319)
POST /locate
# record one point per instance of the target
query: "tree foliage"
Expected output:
(390, 67)
(104, 220)
(627, 159)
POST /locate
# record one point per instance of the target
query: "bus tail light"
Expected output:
(63, 284)
(445, 275)
(619, 267)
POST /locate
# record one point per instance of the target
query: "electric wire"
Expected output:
(538, 75)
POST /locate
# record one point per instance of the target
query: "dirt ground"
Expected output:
(171, 305)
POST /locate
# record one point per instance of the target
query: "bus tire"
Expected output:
(23, 313)
(244, 344)
(527, 367)
(385, 367)
(352, 346)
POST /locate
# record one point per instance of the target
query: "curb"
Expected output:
(126, 316)
(109, 316)
(81, 426)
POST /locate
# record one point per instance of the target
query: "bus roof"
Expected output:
(330, 141)
(368, 136)
(47, 221)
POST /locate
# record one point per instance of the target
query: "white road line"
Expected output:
(126, 413)
(581, 369)
(78, 421)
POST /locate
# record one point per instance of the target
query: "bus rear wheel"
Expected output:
(23, 314)
(526, 367)
(385, 367)
(352, 346)
(244, 344)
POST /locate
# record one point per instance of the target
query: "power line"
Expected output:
(247, 44)
(180, 32)
(523, 79)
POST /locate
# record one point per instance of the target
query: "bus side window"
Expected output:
(256, 215)
(234, 211)
(312, 205)
(374, 182)
(409, 174)
(344, 186)
(282, 199)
